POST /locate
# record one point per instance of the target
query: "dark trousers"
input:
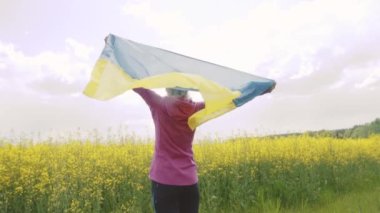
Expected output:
(175, 199)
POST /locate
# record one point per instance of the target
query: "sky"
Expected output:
(323, 54)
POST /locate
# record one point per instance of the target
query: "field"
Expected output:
(273, 174)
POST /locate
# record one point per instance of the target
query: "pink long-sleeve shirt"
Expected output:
(173, 162)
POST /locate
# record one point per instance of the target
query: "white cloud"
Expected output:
(2, 66)
(80, 50)
(371, 76)
(306, 68)
(337, 85)
(268, 33)
(55, 85)
(270, 40)
(324, 54)
(65, 69)
(320, 52)
(33, 112)
(167, 23)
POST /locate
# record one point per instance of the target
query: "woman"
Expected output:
(173, 171)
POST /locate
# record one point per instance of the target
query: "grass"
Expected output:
(360, 201)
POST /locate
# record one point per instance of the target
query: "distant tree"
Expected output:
(347, 133)
(357, 131)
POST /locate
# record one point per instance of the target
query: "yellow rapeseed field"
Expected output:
(236, 174)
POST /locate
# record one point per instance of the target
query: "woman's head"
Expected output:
(179, 93)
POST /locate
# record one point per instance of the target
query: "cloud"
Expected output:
(167, 23)
(80, 50)
(56, 85)
(372, 76)
(293, 42)
(32, 113)
(44, 92)
(324, 54)
(46, 71)
(2, 66)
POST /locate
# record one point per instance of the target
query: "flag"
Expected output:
(125, 64)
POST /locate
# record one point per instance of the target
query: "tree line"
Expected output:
(357, 131)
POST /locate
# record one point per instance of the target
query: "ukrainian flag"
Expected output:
(125, 64)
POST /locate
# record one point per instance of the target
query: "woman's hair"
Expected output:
(176, 92)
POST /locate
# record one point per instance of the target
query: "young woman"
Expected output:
(173, 171)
